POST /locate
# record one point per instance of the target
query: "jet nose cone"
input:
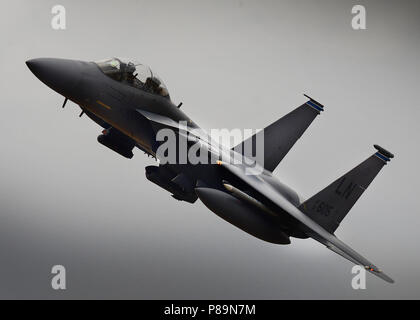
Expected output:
(32, 64)
(61, 75)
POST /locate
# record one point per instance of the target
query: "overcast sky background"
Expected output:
(65, 199)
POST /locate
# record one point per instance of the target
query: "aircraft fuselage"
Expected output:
(115, 104)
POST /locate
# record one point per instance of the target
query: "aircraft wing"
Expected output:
(313, 229)
(164, 121)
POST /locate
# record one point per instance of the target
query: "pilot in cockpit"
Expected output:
(153, 84)
(126, 71)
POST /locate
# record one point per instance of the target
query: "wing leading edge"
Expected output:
(313, 229)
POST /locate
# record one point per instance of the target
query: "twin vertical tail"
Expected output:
(329, 206)
(280, 136)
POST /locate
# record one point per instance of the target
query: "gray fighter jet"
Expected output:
(132, 105)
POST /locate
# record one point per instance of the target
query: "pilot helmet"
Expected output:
(153, 82)
(130, 67)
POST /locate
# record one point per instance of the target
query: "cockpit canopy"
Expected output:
(134, 74)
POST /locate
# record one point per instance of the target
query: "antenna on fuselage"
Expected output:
(65, 101)
(179, 106)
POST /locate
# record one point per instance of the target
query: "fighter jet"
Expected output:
(133, 106)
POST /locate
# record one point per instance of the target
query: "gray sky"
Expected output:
(67, 200)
